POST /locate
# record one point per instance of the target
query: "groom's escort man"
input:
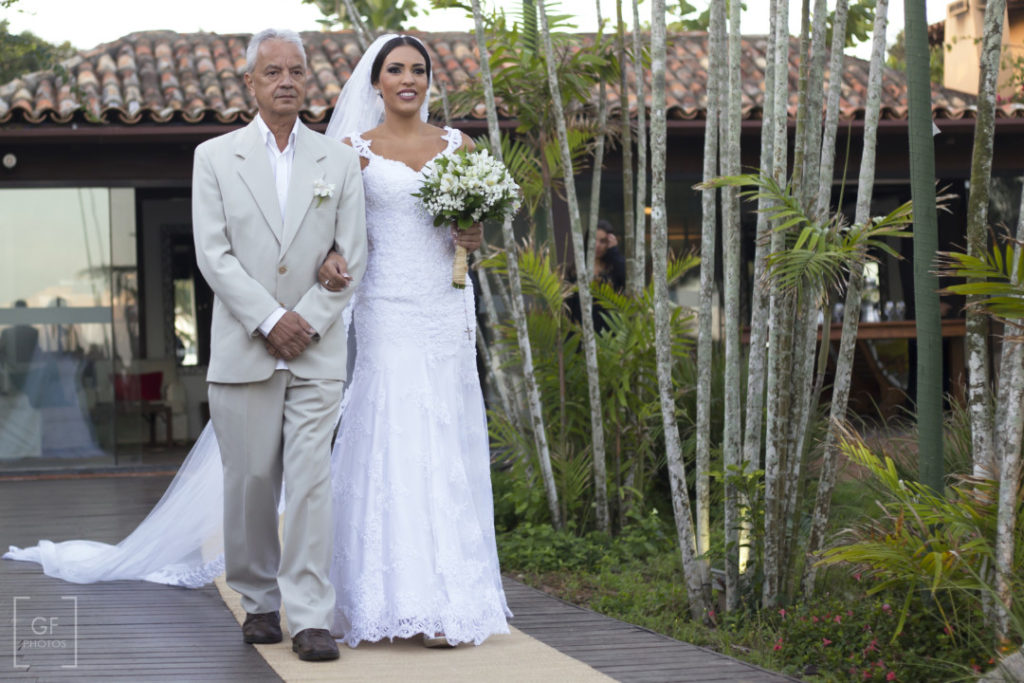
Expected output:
(269, 201)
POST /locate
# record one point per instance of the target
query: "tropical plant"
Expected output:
(630, 404)
(993, 278)
(945, 544)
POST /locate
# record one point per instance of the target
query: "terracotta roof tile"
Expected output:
(162, 76)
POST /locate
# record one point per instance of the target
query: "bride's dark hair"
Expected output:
(386, 49)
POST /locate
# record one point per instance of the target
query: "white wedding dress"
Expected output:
(414, 548)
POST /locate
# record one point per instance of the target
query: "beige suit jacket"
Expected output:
(255, 263)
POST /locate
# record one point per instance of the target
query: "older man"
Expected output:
(269, 201)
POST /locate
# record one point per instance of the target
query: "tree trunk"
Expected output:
(516, 296)
(806, 320)
(779, 355)
(754, 422)
(800, 134)
(363, 36)
(595, 180)
(815, 93)
(640, 221)
(500, 381)
(926, 284)
(583, 275)
(698, 587)
(600, 473)
(709, 235)
(1011, 427)
(804, 342)
(851, 315)
(733, 423)
(634, 280)
(979, 388)
(835, 87)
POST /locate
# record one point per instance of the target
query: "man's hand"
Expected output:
(333, 274)
(613, 241)
(471, 238)
(271, 349)
(290, 336)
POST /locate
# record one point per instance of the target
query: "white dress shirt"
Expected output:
(281, 165)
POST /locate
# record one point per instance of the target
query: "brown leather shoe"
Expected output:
(315, 645)
(262, 628)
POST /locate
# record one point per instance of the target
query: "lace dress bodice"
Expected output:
(408, 271)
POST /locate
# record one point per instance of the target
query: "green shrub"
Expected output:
(860, 638)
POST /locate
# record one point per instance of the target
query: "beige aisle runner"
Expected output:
(513, 657)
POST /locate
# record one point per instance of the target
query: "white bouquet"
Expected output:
(465, 189)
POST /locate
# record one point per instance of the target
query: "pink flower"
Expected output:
(891, 676)
(886, 608)
(947, 630)
(814, 619)
(778, 645)
(857, 576)
(782, 613)
(839, 619)
(826, 642)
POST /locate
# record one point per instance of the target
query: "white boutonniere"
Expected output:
(322, 191)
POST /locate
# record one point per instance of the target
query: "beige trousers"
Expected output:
(282, 425)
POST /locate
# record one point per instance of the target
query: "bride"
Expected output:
(414, 548)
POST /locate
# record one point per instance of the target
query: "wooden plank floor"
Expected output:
(145, 632)
(623, 651)
(127, 630)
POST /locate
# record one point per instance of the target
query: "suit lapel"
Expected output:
(256, 174)
(306, 170)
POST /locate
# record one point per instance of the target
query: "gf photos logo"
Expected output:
(45, 632)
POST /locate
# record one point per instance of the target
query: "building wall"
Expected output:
(965, 26)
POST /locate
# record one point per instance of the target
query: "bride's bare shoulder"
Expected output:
(467, 142)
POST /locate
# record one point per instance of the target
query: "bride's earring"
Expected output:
(380, 94)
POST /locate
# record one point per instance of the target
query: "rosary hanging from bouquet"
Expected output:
(465, 189)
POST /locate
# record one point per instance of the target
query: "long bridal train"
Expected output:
(180, 543)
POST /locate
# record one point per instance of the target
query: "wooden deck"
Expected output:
(145, 632)
(623, 651)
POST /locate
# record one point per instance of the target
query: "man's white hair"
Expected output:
(289, 36)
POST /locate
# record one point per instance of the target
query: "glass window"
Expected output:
(57, 340)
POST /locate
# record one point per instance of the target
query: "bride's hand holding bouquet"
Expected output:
(464, 190)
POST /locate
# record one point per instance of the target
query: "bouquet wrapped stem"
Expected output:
(460, 267)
